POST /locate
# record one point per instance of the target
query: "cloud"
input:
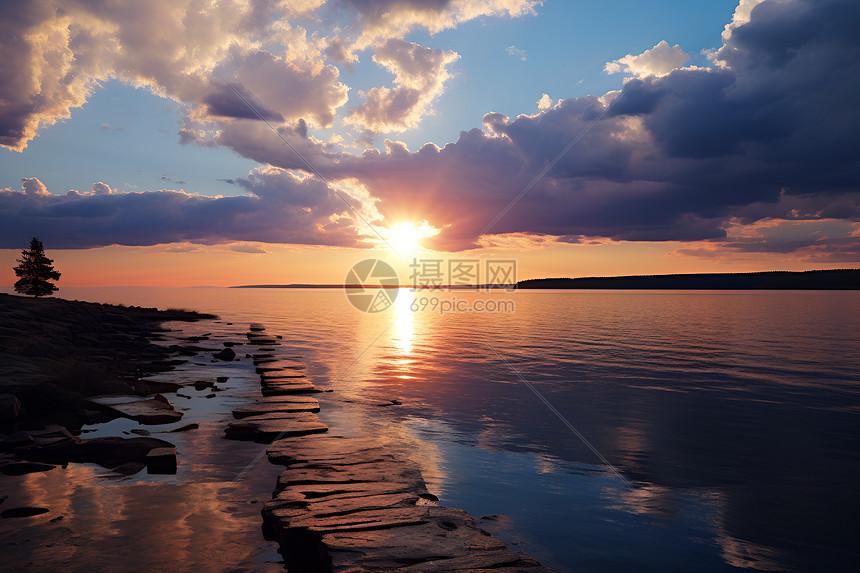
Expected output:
(769, 133)
(57, 53)
(544, 103)
(384, 19)
(100, 188)
(278, 208)
(820, 241)
(420, 74)
(107, 127)
(251, 249)
(33, 188)
(514, 51)
(658, 61)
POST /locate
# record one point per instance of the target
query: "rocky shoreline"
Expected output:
(70, 363)
(340, 504)
(347, 503)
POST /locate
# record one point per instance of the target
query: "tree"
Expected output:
(36, 271)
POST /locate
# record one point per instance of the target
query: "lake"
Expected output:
(601, 430)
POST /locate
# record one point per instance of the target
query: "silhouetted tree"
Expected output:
(36, 271)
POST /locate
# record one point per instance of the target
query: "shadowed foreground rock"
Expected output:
(345, 504)
(55, 445)
(56, 353)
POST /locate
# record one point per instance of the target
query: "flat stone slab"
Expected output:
(290, 404)
(277, 376)
(151, 411)
(347, 504)
(265, 429)
(286, 388)
(256, 327)
(279, 365)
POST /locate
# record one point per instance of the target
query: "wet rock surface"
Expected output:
(274, 404)
(347, 504)
(157, 410)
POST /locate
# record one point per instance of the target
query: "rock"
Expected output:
(347, 504)
(15, 440)
(283, 404)
(154, 411)
(109, 452)
(23, 512)
(264, 430)
(278, 376)
(21, 468)
(161, 461)
(10, 405)
(222, 379)
(140, 432)
(285, 388)
(203, 384)
(210, 395)
(51, 436)
(185, 428)
(231, 344)
(3, 498)
(227, 355)
(129, 468)
(278, 365)
(256, 327)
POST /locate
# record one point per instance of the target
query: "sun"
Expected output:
(405, 238)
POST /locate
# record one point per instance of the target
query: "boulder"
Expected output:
(228, 355)
(161, 461)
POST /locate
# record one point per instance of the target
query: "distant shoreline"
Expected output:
(838, 279)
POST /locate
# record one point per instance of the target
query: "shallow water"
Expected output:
(732, 416)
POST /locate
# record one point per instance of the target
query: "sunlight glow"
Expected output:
(405, 238)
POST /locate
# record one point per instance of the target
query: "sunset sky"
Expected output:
(185, 142)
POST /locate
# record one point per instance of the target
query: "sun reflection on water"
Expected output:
(404, 323)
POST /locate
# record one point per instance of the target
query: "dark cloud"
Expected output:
(770, 131)
(279, 208)
(224, 102)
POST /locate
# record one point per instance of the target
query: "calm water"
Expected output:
(734, 417)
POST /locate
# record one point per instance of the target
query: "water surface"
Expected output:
(732, 415)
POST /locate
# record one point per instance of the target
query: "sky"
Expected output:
(218, 143)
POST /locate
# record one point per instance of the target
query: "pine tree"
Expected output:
(36, 271)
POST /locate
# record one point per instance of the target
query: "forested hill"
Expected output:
(841, 279)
